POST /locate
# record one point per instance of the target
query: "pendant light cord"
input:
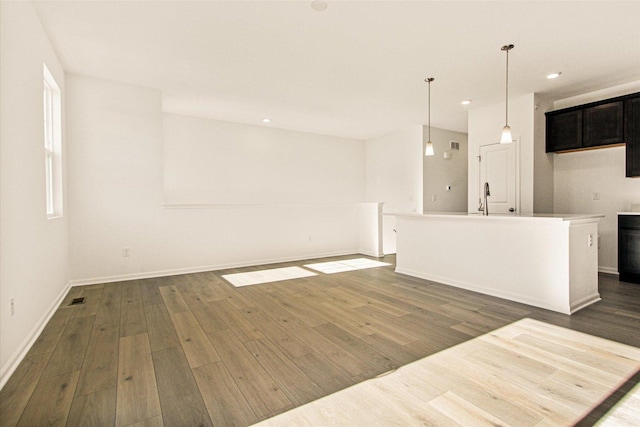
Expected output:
(429, 110)
(429, 80)
(506, 110)
(507, 48)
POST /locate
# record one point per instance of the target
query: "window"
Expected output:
(52, 144)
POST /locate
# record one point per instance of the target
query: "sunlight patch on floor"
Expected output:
(525, 373)
(267, 276)
(345, 265)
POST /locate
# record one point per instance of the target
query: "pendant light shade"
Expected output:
(428, 151)
(506, 137)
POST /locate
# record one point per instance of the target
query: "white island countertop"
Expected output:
(628, 213)
(534, 216)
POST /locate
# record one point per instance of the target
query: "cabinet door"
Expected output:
(632, 136)
(629, 255)
(629, 248)
(564, 131)
(603, 124)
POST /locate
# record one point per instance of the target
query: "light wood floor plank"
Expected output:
(16, 393)
(225, 402)
(51, 401)
(514, 389)
(350, 364)
(162, 334)
(149, 422)
(180, 397)
(137, 390)
(173, 300)
(193, 339)
(258, 387)
(202, 284)
(49, 337)
(208, 318)
(378, 361)
(72, 345)
(100, 367)
(132, 320)
(245, 330)
(150, 293)
(463, 412)
(296, 384)
(94, 410)
(324, 373)
(271, 329)
(108, 312)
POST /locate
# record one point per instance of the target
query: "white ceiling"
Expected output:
(355, 70)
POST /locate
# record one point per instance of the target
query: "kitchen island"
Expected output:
(548, 261)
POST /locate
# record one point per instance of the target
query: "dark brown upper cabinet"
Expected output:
(593, 125)
(603, 124)
(632, 135)
(564, 131)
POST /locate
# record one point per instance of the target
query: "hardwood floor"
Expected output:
(194, 350)
(528, 373)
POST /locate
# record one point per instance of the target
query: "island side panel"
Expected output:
(521, 260)
(583, 264)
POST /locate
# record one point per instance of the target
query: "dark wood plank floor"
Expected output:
(192, 350)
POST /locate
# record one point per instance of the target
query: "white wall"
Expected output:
(543, 175)
(33, 249)
(394, 176)
(116, 180)
(577, 176)
(485, 127)
(438, 172)
(370, 231)
(210, 161)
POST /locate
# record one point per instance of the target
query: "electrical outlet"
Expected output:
(433, 198)
(596, 196)
(13, 306)
(590, 240)
(125, 252)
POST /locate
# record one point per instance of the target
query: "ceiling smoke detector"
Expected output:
(319, 5)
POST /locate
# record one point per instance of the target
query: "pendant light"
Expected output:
(506, 130)
(428, 151)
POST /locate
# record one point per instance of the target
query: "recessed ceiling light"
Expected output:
(319, 5)
(466, 102)
(554, 75)
(266, 120)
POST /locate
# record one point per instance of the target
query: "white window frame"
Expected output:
(52, 114)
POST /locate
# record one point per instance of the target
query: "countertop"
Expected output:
(509, 217)
(628, 213)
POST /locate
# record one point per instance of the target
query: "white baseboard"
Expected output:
(608, 270)
(370, 253)
(584, 302)
(16, 358)
(213, 267)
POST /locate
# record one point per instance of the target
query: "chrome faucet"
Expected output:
(486, 194)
